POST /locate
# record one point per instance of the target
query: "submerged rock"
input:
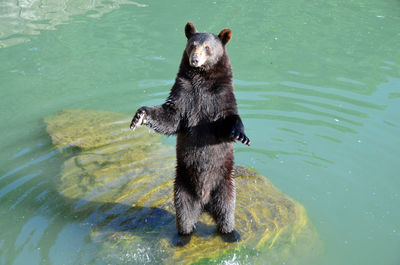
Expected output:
(121, 184)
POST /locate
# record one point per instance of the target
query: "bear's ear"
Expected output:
(190, 29)
(225, 35)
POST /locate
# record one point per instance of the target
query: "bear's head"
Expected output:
(205, 49)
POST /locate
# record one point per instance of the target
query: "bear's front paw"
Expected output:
(239, 135)
(138, 119)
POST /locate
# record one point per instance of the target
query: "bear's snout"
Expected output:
(198, 57)
(194, 61)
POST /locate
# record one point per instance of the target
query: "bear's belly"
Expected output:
(202, 167)
(197, 152)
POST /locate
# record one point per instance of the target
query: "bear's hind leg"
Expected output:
(188, 209)
(222, 205)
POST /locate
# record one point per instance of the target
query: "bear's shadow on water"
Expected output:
(149, 223)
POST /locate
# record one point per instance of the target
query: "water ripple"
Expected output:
(19, 182)
(33, 162)
(316, 91)
(26, 194)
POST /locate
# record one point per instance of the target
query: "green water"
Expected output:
(318, 89)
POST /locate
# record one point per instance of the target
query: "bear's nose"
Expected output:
(195, 60)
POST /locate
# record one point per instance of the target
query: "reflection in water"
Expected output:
(21, 18)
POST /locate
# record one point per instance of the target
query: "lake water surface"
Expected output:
(317, 84)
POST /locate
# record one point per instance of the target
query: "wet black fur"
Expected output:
(201, 110)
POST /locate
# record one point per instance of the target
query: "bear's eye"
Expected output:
(207, 48)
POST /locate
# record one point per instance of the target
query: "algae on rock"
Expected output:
(122, 184)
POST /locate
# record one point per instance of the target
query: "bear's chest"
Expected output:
(203, 106)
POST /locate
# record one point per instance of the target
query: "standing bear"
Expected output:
(201, 110)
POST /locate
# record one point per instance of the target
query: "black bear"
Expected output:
(201, 110)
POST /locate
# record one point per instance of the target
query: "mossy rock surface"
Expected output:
(121, 183)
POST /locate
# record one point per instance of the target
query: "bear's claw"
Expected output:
(240, 136)
(138, 119)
